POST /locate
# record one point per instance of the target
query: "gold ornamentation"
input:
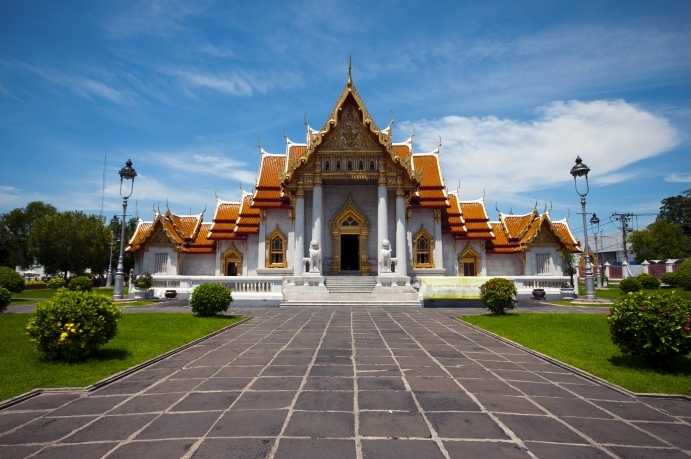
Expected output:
(232, 255)
(423, 249)
(276, 245)
(349, 220)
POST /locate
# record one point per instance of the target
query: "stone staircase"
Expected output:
(350, 284)
(347, 290)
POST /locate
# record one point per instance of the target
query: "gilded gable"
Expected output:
(349, 133)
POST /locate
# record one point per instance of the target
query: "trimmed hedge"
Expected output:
(655, 325)
(648, 282)
(80, 283)
(210, 299)
(630, 284)
(11, 280)
(498, 294)
(56, 282)
(73, 324)
(144, 281)
(5, 298)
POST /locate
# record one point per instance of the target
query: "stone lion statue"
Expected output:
(386, 256)
(315, 255)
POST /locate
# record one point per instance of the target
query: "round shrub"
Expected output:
(143, 281)
(498, 294)
(56, 282)
(655, 325)
(210, 299)
(5, 298)
(630, 284)
(80, 283)
(11, 280)
(684, 274)
(648, 282)
(73, 324)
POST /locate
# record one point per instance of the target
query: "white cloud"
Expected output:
(508, 157)
(161, 18)
(236, 83)
(210, 164)
(678, 178)
(216, 51)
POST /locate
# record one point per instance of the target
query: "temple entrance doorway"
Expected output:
(350, 248)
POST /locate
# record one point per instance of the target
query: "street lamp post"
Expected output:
(109, 277)
(595, 221)
(580, 171)
(127, 176)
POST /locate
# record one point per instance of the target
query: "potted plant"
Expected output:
(142, 286)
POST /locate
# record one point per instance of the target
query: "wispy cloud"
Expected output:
(508, 157)
(216, 51)
(87, 87)
(678, 178)
(207, 164)
(161, 18)
(235, 83)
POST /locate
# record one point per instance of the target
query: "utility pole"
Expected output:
(624, 219)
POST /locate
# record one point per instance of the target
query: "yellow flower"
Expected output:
(63, 336)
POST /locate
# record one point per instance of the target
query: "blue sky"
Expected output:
(188, 90)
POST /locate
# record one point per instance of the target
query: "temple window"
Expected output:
(468, 263)
(422, 249)
(276, 250)
(372, 166)
(542, 261)
(361, 165)
(160, 263)
(327, 166)
(338, 164)
(350, 165)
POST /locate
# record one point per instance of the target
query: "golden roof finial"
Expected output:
(350, 70)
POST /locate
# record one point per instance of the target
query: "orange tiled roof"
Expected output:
(248, 218)
(431, 191)
(224, 220)
(401, 150)
(476, 219)
(268, 189)
(514, 233)
(296, 152)
(186, 232)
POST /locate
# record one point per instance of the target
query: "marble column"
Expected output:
(382, 217)
(317, 220)
(299, 254)
(401, 249)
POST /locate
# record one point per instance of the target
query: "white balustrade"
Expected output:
(242, 287)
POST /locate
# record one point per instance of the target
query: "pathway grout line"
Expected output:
(356, 400)
(291, 409)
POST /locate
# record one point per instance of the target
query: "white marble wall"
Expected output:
(556, 260)
(504, 264)
(149, 256)
(197, 264)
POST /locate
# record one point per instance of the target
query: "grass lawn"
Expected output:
(140, 337)
(37, 295)
(583, 341)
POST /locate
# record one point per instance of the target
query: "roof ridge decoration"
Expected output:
(315, 138)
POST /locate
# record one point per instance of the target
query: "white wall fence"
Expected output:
(242, 287)
(457, 288)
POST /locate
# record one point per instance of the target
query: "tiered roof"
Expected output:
(187, 233)
(513, 233)
(225, 218)
(467, 219)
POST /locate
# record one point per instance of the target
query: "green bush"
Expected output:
(143, 281)
(11, 280)
(670, 279)
(498, 294)
(684, 273)
(630, 284)
(5, 298)
(648, 282)
(210, 299)
(80, 283)
(73, 324)
(655, 325)
(56, 282)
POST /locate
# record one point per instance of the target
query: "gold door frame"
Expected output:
(232, 255)
(361, 229)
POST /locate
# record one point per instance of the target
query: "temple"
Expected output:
(348, 203)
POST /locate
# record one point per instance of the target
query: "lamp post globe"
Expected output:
(580, 171)
(127, 175)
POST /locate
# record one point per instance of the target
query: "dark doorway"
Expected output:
(232, 269)
(350, 247)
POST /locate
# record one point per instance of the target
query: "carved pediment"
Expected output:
(350, 134)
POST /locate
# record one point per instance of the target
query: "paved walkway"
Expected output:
(335, 383)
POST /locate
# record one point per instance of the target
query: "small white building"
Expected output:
(348, 201)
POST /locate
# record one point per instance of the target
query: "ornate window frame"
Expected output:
(276, 234)
(423, 234)
(349, 220)
(465, 256)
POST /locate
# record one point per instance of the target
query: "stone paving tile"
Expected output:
(291, 448)
(283, 383)
(400, 449)
(81, 451)
(241, 448)
(468, 449)
(556, 451)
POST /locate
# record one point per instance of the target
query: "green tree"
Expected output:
(660, 240)
(71, 241)
(677, 209)
(114, 229)
(15, 232)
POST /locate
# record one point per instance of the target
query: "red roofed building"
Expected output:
(350, 200)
